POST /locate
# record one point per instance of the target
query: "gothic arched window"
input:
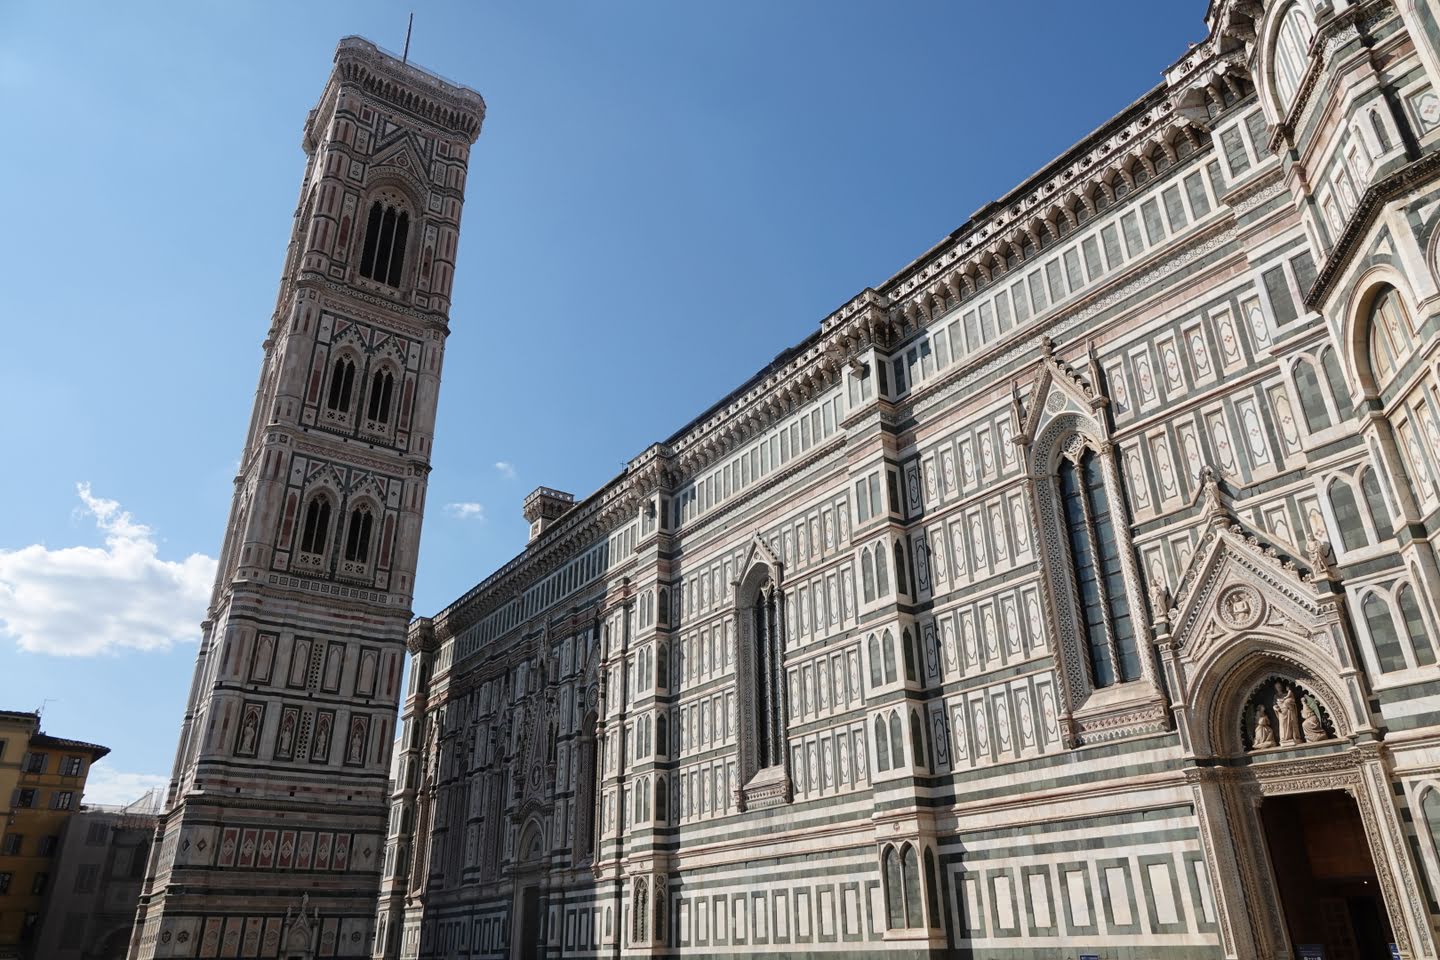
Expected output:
(1098, 573)
(1383, 635)
(882, 579)
(342, 384)
(1375, 503)
(897, 740)
(1390, 337)
(316, 531)
(901, 872)
(1415, 626)
(1312, 401)
(1347, 515)
(1335, 380)
(887, 646)
(894, 889)
(383, 254)
(382, 387)
(768, 675)
(357, 535)
(1292, 53)
(882, 746)
(877, 677)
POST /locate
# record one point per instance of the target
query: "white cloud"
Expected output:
(506, 468)
(117, 787)
(83, 601)
(467, 511)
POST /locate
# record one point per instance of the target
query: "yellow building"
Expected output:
(42, 779)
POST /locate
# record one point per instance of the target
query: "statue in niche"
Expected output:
(357, 742)
(247, 737)
(1310, 723)
(1287, 714)
(287, 735)
(1264, 735)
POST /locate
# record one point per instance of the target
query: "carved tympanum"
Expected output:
(1281, 713)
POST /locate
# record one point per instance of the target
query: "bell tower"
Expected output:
(273, 835)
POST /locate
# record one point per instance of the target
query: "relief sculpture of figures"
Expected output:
(1311, 724)
(1264, 735)
(1286, 714)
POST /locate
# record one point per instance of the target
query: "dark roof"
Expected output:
(60, 743)
(19, 715)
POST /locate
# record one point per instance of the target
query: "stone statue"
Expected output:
(247, 738)
(287, 734)
(1264, 734)
(357, 742)
(1287, 714)
(1310, 723)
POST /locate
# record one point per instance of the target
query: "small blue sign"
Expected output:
(1310, 951)
(1394, 951)
(1089, 956)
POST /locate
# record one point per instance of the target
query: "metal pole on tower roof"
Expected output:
(405, 57)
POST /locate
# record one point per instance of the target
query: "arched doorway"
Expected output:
(527, 930)
(1291, 786)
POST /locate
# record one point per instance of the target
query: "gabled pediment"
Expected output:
(1057, 390)
(756, 554)
(1239, 583)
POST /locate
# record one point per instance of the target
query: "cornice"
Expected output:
(404, 86)
(1367, 213)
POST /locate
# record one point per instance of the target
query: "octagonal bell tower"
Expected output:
(272, 838)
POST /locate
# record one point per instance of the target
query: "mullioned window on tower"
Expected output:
(383, 254)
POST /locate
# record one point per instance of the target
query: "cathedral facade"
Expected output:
(1074, 592)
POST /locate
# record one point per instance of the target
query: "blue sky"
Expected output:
(665, 196)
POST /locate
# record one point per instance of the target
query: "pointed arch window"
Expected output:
(1390, 338)
(882, 578)
(1375, 503)
(767, 674)
(882, 746)
(901, 871)
(1098, 572)
(1335, 380)
(1292, 53)
(1383, 634)
(342, 385)
(316, 530)
(386, 232)
(1347, 516)
(357, 535)
(1312, 401)
(1415, 627)
(382, 389)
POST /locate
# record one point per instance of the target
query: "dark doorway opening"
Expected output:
(530, 924)
(1325, 876)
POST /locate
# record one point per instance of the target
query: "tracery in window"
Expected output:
(357, 535)
(342, 384)
(316, 530)
(386, 233)
(1098, 573)
(768, 675)
(1292, 53)
(382, 387)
